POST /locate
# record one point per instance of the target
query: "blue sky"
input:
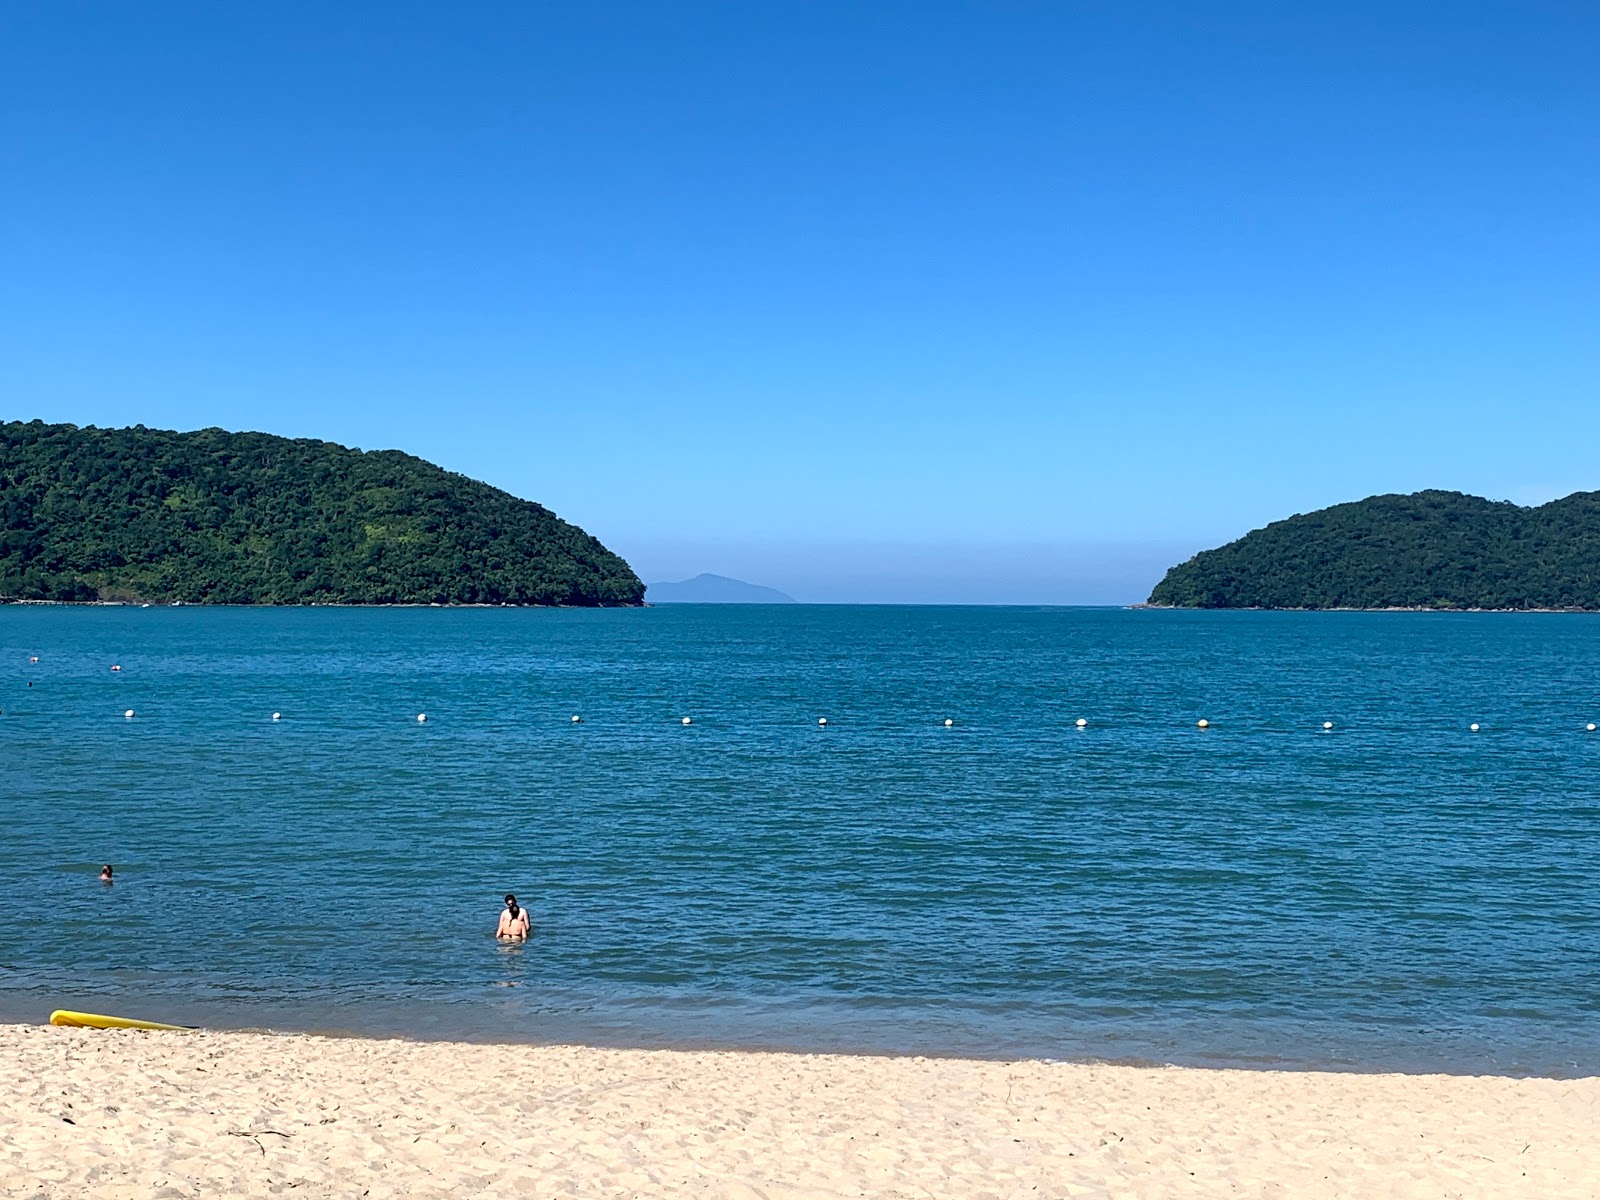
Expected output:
(1012, 301)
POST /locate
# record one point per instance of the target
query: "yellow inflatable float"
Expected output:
(79, 1020)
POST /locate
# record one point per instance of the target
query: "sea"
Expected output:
(1383, 853)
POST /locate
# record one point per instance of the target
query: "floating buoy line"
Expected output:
(948, 722)
(822, 722)
(1080, 724)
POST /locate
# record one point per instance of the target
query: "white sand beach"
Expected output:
(122, 1114)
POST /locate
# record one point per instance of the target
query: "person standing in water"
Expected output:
(514, 922)
(105, 873)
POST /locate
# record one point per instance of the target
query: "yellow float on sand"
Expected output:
(79, 1020)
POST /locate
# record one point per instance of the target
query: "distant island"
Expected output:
(1433, 550)
(213, 517)
(714, 589)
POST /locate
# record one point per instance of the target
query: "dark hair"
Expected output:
(106, 870)
(512, 900)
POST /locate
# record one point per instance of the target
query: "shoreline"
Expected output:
(7, 601)
(1399, 608)
(1258, 1063)
(689, 1046)
(120, 1113)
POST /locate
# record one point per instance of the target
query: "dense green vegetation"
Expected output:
(1427, 550)
(247, 518)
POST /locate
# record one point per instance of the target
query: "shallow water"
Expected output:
(1398, 893)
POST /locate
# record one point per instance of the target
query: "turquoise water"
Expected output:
(1399, 892)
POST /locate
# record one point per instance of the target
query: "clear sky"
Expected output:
(1008, 301)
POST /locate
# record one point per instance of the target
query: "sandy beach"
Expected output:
(126, 1114)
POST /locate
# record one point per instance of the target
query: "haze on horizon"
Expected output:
(902, 302)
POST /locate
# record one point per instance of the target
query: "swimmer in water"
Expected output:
(513, 921)
(105, 873)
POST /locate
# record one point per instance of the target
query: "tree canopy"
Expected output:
(248, 518)
(1430, 549)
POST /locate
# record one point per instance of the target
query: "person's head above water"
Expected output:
(105, 872)
(511, 903)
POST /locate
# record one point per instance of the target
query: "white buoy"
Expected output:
(576, 718)
(129, 714)
(277, 716)
(116, 668)
(1591, 726)
(822, 720)
(688, 721)
(1202, 723)
(1327, 724)
(422, 718)
(1474, 727)
(948, 722)
(1082, 723)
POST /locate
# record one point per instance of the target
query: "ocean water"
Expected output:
(1397, 893)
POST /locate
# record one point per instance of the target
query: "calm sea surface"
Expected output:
(1397, 893)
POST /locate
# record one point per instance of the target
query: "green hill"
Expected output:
(1427, 550)
(247, 518)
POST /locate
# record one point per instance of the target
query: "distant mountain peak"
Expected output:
(714, 589)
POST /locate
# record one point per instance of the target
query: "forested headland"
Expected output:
(1432, 549)
(212, 517)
